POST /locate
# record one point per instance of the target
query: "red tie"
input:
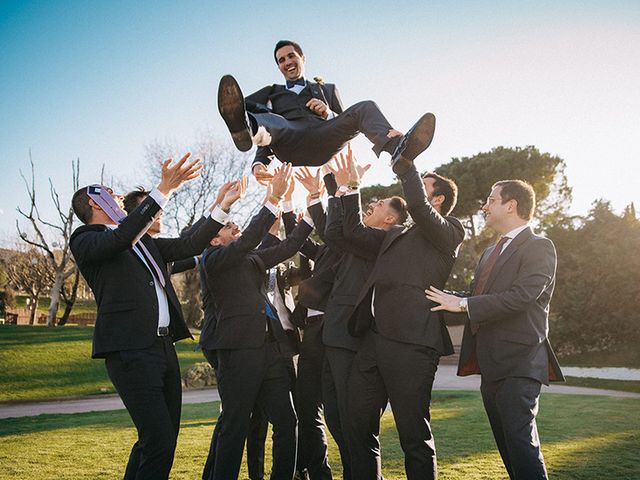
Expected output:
(480, 285)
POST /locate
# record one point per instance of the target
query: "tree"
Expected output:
(30, 272)
(595, 306)
(56, 251)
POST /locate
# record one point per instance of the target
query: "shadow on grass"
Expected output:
(582, 437)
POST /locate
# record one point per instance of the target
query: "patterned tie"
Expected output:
(485, 273)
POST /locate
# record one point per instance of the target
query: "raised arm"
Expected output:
(90, 245)
(445, 233)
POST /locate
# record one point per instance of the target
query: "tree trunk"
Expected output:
(55, 298)
(33, 307)
(71, 300)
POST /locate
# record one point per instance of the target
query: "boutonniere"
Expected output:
(319, 80)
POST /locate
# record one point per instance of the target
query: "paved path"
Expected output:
(609, 373)
(446, 379)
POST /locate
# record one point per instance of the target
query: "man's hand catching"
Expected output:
(174, 176)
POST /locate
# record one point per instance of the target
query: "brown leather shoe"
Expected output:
(231, 107)
(413, 143)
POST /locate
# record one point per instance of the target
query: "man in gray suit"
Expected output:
(506, 334)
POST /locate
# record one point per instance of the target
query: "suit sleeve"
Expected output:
(446, 234)
(96, 246)
(310, 248)
(184, 265)
(287, 248)
(335, 101)
(535, 275)
(190, 245)
(365, 240)
(224, 257)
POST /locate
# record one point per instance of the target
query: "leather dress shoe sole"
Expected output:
(416, 141)
(231, 107)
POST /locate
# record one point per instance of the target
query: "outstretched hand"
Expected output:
(312, 183)
(446, 301)
(281, 179)
(234, 193)
(262, 174)
(174, 176)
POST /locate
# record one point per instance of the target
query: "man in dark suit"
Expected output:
(248, 340)
(506, 333)
(139, 315)
(402, 340)
(304, 123)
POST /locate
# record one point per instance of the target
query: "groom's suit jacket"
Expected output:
(122, 284)
(513, 314)
(277, 99)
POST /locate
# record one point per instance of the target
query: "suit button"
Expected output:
(262, 311)
(151, 283)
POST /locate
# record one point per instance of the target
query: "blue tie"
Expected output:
(301, 81)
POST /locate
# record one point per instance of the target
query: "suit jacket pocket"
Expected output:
(518, 337)
(113, 307)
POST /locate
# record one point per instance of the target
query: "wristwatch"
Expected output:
(463, 305)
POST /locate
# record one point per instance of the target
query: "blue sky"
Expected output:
(100, 80)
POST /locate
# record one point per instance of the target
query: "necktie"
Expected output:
(301, 81)
(485, 273)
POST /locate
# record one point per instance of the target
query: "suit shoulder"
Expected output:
(87, 228)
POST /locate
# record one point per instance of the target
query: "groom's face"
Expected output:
(290, 62)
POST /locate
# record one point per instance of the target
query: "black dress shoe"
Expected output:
(231, 107)
(413, 143)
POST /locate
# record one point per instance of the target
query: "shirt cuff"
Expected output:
(331, 115)
(355, 191)
(315, 201)
(219, 215)
(307, 218)
(287, 206)
(274, 209)
(159, 198)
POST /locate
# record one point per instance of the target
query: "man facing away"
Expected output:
(139, 315)
(303, 123)
(506, 333)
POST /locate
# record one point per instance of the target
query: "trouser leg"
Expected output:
(512, 405)
(276, 401)
(241, 373)
(313, 141)
(335, 382)
(367, 398)
(312, 440)
(408, 372)
(146, 382)
(256, 439)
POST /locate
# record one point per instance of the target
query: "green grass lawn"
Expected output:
(620, 357)
(81, 306)
(621, 385)
(37, 362)
(585, 438)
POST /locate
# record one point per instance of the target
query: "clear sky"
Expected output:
(101, 80)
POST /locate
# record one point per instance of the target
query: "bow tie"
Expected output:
(301, 81)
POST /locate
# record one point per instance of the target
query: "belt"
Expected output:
(163, 331)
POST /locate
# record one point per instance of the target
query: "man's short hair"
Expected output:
(284, 43)
(447, 187)
(134, 198)
(80, 205)
(520, 191)
(399, 205)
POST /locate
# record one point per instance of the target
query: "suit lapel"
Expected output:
(513, 247)
(392, 236)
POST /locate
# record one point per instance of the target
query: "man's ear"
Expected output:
(215, 241)
(437, 201)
